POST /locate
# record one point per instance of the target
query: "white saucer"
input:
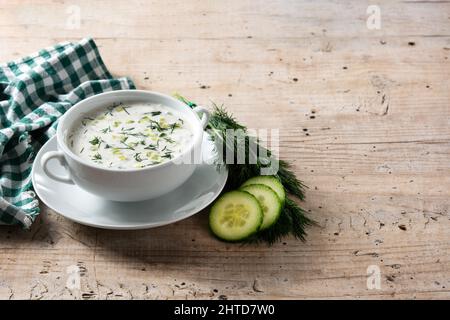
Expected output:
(75, 204)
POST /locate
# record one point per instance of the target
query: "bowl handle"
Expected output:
(203, 114)
(60, 157)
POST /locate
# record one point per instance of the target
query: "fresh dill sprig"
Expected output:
(137, 157)
(95, 141)
(290, 181)
(97, 156)
(293, 219)
(105, 130)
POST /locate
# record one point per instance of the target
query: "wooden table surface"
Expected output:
(376, 156)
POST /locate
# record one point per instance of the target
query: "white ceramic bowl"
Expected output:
(127, 184)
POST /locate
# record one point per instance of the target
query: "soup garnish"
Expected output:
(127, 136)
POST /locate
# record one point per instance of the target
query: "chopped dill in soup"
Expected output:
(127, 136)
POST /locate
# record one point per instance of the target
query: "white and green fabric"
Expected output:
(34, 92)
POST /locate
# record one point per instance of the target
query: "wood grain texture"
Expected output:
(375, 155)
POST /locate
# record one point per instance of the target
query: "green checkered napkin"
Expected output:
(34, 92)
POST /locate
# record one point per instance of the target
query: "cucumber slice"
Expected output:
(235, 216)
(269, 201)
(271, 182)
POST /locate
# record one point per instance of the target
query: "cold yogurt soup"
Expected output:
(130, 136)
